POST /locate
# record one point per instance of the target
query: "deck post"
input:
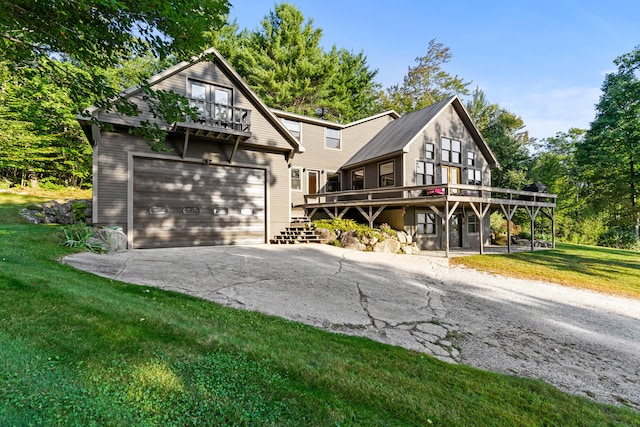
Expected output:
(533, 230)
(446, 229)
(481, 220)
(553, 228)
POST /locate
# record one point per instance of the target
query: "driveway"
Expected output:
(583, 342)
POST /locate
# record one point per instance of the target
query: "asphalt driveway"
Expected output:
(583, 342)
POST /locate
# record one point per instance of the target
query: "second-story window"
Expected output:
(471, 158)
(294, 127)
(386, 174)
(212, 102)
(428, 151)
(424, 173)
(332, 139)
(451, 150)
(474, 177)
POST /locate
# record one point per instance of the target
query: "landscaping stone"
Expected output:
(348, 240)
(326, 235)
(114, 239)
(55, 212)
(401, 236)
(390, 246)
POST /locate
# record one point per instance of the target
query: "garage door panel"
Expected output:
(188, 204)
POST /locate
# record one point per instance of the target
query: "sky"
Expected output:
(544, 61)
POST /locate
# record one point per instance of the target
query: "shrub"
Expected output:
(82, 236)
(620, 239)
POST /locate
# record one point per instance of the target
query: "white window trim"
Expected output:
(339, 139)
(285, 121)
(291, 179)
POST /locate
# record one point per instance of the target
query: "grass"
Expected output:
(614, 271)
(76, 349)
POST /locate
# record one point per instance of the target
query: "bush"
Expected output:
(341, 225)
(620, 239)
(84, 237)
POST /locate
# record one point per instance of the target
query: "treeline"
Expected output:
(594, 171)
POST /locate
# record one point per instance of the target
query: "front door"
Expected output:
(455, 231)
(313, 182)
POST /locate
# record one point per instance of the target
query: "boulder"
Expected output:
(349, 240)
(390, 246)
(113, 239)
(326, 235)
(401, 236)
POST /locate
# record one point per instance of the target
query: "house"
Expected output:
(239, 173)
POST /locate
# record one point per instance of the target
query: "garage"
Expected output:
(178, 203)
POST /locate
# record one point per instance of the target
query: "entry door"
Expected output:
(313, 182)
(451, 175)
(455, 231)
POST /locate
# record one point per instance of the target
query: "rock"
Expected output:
(373, 241)
(53, 212)
(409, 238)
(348, 240)
(390, 246)
(113, 239)
(326, 235)
(401, 236)
(407, 249)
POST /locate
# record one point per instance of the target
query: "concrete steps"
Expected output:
(300, 230)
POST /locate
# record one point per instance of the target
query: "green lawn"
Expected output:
(76, 349)
(614, 271)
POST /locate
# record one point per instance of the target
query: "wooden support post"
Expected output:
(446, 229)
(553, 228)
(186, 144)
(509, 216)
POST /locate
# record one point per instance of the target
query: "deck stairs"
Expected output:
(300, 230)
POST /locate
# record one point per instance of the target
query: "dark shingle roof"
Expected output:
(395, 136)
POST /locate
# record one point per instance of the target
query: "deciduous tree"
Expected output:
(425, 83)
(610, 152)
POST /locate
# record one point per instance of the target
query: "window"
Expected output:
(424, 173)
(220, 211)
(357, 179)
(472, 223)
(191, 210)
(426, 223)
(428, 151)
(333, 181)
(474, 177)
(293, 127)
(385, 171)
(246, 211)
(471, 158)
(211, 101)
(332, 139)
(296, 179)
(451, 150)
(158, 210)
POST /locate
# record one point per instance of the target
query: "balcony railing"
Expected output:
(221, 116)
(440, 192)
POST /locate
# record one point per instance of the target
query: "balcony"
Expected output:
(217, 121)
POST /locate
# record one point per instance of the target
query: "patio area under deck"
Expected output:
(443, 200)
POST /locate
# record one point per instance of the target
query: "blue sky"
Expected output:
(542, 60)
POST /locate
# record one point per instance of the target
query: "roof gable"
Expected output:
(396, 136)
(235, 78)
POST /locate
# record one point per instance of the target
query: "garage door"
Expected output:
(191, 204)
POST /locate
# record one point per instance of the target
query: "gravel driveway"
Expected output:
(583, 342)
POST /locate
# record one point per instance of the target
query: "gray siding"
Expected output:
(318, 158)
(447, 124)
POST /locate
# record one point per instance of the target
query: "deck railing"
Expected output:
(220, 115)
(454, 192)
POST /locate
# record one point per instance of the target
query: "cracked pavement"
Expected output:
(583, 342)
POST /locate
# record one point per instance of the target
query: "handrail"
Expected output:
(428, 191)
(220, 115)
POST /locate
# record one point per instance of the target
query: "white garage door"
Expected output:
(191, 204)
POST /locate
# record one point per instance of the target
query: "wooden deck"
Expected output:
(442, 199)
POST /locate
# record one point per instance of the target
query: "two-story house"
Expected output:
(238, 173)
